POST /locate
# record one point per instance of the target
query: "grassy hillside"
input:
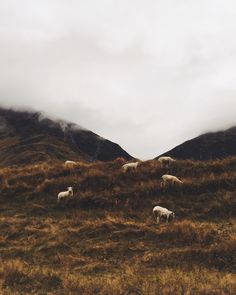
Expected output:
(106, 241)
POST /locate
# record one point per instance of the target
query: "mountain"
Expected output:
(29, 137)
(212, 145)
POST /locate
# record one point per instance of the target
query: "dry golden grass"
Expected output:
(106, 241)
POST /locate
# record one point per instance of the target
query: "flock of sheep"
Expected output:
(158, 212)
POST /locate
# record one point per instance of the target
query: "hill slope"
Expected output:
(29, 138)
(207, 146)
(106, 241)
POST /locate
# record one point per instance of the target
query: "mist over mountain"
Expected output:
(162, 76)
(210, 145)
(30, 137)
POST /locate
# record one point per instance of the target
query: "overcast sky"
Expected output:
(147, 74)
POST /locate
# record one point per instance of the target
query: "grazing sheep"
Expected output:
(160, 212)
(70, 164)
(128, 166)
(166, 161)
(169, 179)
(65, 195)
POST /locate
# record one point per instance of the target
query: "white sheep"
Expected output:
(169, 179)
(128, 166)
(65, 195)
(166, 161)
(159, 212)
(70, 164)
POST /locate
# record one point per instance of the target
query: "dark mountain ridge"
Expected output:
(212, 145)
(29, 137)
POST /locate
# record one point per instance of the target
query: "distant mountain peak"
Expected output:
(211, 145)
(28, 137)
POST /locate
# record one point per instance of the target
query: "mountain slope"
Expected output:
(207, 146)
(27, 137)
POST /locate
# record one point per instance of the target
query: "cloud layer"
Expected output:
(146, 74)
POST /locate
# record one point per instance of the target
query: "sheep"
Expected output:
(166, 161)
(128, 166)
(170, 179)
(65, 195)
(160, 212)
(70, 164)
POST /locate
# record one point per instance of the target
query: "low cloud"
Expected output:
(145, 74)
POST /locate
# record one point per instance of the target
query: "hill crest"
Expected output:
(208, 146)
(30, 137)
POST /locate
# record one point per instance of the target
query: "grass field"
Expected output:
(106, 241)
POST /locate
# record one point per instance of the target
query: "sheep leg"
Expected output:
(167, 218)
(158, 219)
(127, 203)
(164, 183)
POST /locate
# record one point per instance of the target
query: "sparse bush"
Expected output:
(188, 233)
